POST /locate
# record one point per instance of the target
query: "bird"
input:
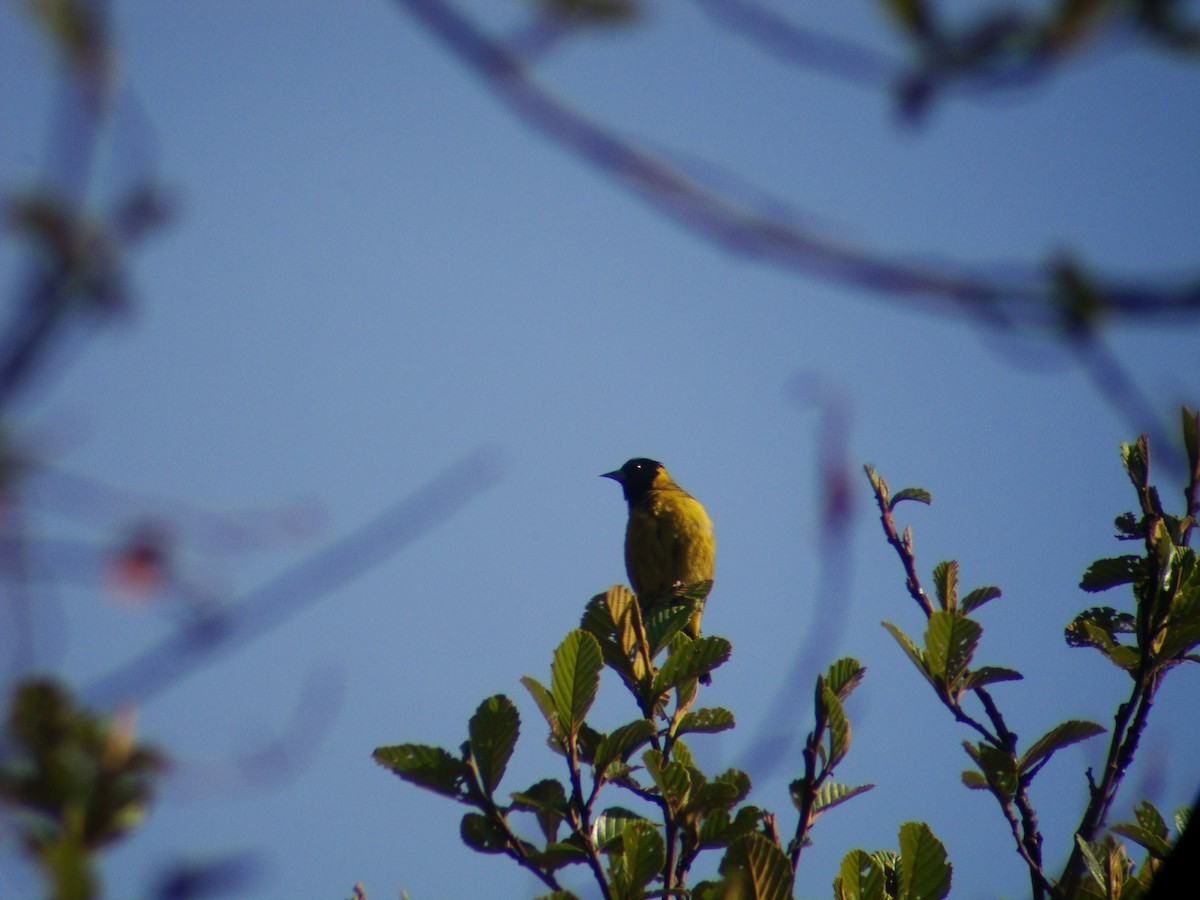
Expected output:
(669, 541)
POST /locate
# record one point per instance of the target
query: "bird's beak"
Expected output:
(615, 476)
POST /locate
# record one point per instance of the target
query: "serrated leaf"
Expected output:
(707, 720)
(664, 622)
(1151, 819)
(860, 877)
(925, 873)
(920, 495)
(978, 597)
(914, 653)
(998, 767)
(1128, 526)
(739, 779)
(429, 767)
(950, 642)
(1098, 627)
(644, 853)
(493, 732)
(597, 618)
(1089, 859)
(1063, 735)
(1108, 573)
(1136, 460)
(712, 795)
(691, 661)
(609, 826)
(620, 744)
(986, 675)
(759, 867)
(675, 784)
(839, 728)
(713, 828)
(545, 703)
(832, 794)
(480, 833)
(1156, 846)
(547, 800)
(574, 678)
(682, 754)
(945, 582)
(844, 676)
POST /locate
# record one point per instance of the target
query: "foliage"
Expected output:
(671, 811)
(74, 782)
(675, 811)
(1162, 631)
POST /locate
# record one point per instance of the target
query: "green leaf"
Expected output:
(1136, 460)
(974, 780)
(674, 784)
(1156, 846)
(1151, 819)
(839, 728)
(986, 675)
(978, 597)
(1089, 859)
(844, 676)
(914, 652)
(574, 678)
(429, 767)
(925, 873)
(712, 795)
(691, 661)
(714, 828)
(832, 794)
(860, 877)
(492, 734)
(547, 800)
(758, 867)
(708, 720)
(739, 779)
(1064, 735)
(644, 852)
(619, 745)
(561, 853)
(482, 834)
(998, 767)
(950, 641)
(1181, 818)
(665, 621)
(545, 703)
(1098, 627)
(1108, 573)
(920, 495)
(945, 582)
(609, 826)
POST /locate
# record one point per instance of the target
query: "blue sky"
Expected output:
(376, 271)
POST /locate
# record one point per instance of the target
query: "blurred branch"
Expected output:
(803, 47)
(316, 577)
(1031, 301)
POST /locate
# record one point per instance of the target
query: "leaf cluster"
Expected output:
(74, 782)
(672, 811)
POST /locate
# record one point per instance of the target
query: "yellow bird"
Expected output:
(669, 540)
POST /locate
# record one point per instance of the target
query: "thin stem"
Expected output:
(581, 818)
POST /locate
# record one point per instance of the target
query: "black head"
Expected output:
(636, 477)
